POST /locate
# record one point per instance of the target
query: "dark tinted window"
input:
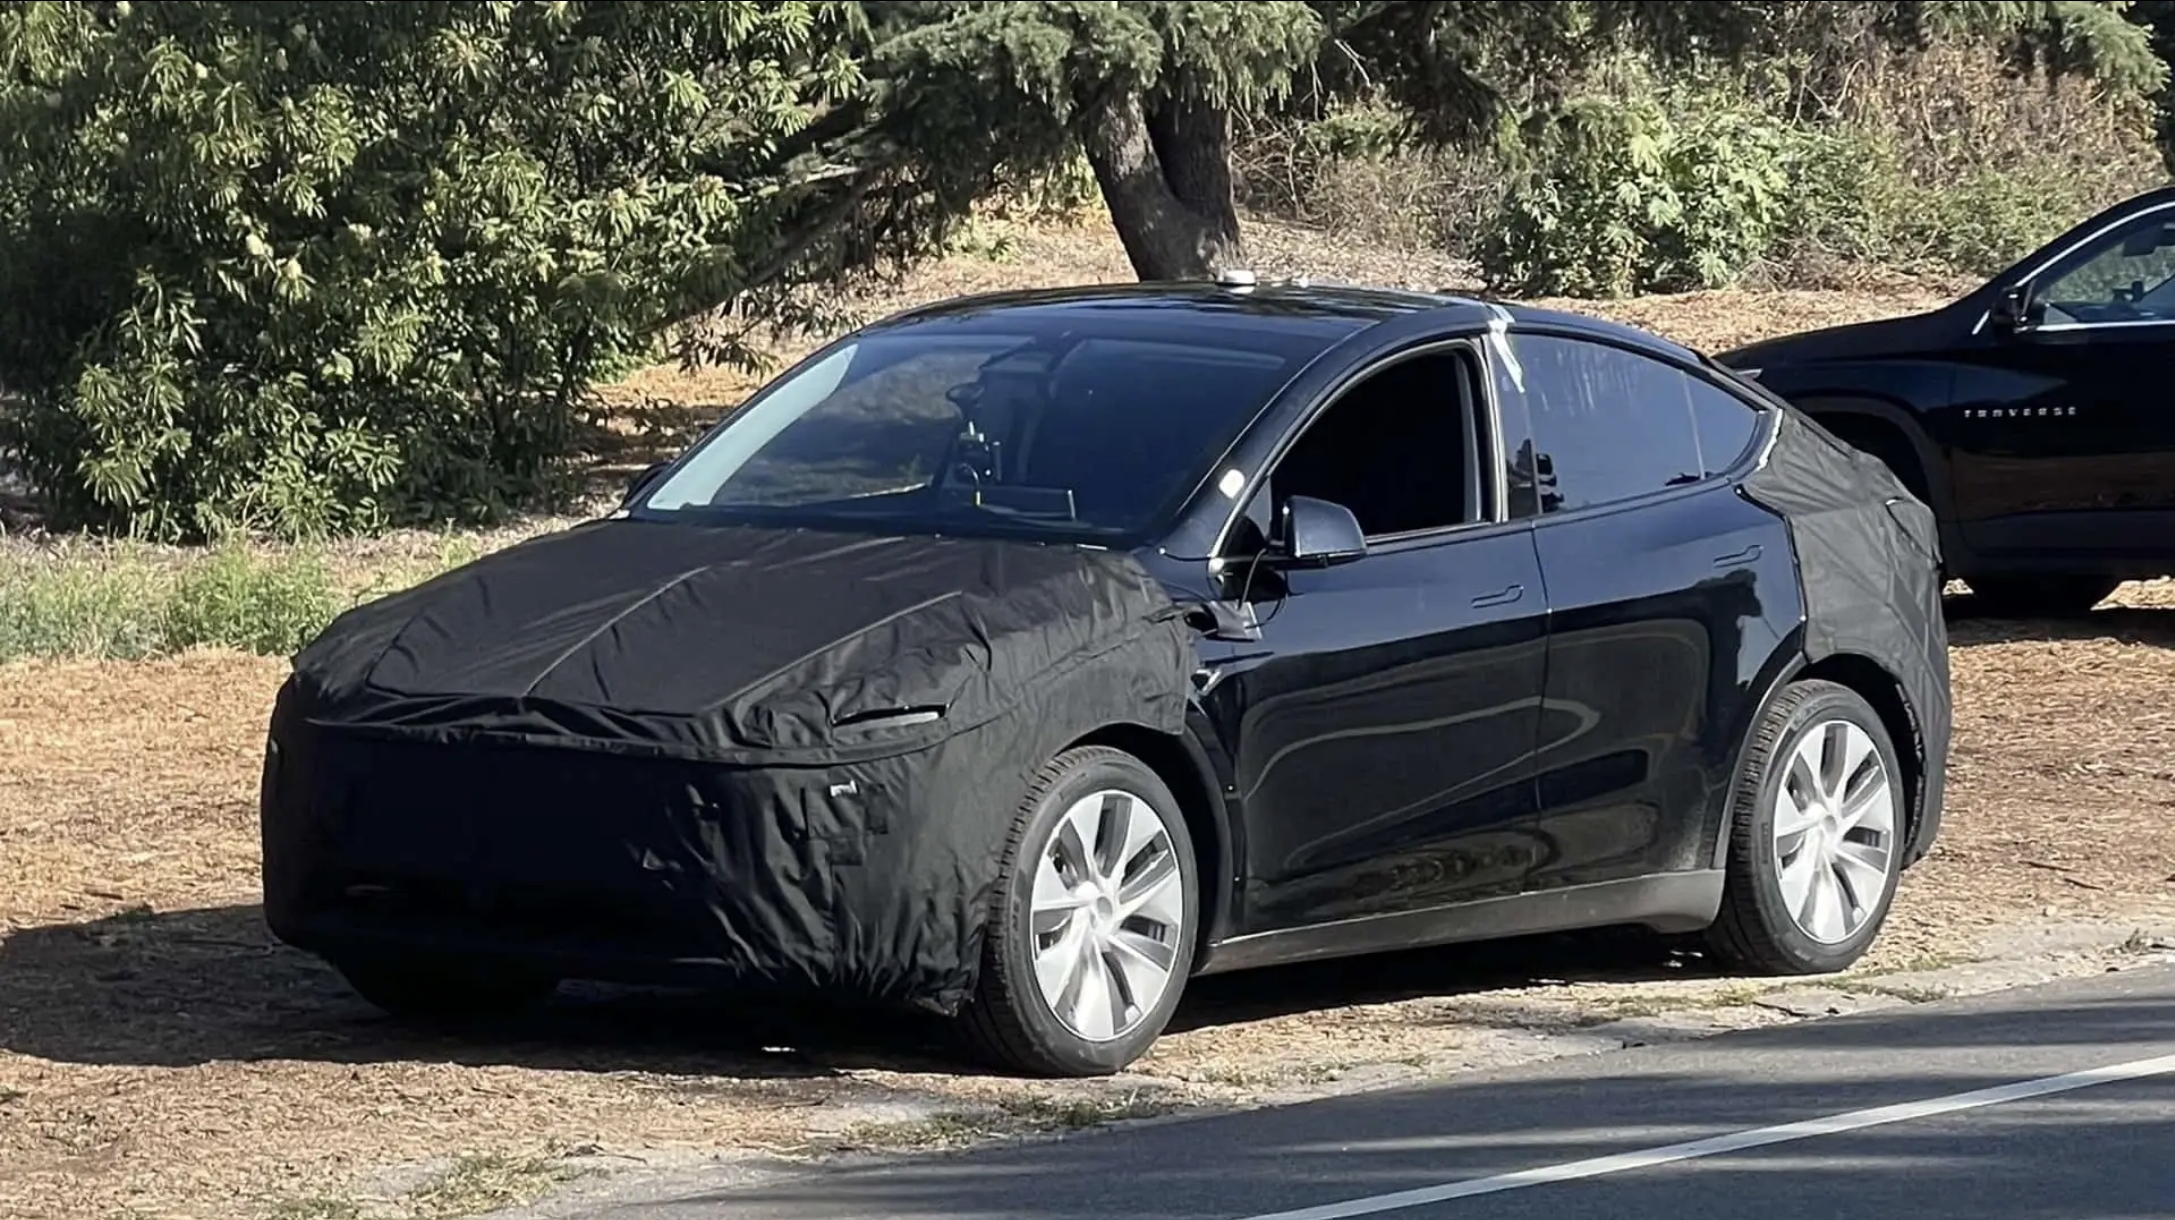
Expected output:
(1608, 424)
(973, 430)
(1398, 449)
(1724, 422)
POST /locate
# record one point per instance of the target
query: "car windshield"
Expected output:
(1094, 432)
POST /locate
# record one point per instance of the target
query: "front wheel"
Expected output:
(1816, 836)
(1092, 930)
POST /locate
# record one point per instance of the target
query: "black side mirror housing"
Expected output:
(2013, 309)
(640, 483)
(1318, 534)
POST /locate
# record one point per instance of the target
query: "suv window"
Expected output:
(2126, 276)
(1399, 448)
(1611, 425)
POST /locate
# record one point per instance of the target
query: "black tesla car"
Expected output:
(1020, 657)
(2031, 414)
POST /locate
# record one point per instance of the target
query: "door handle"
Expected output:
(1740, 558)
(1501, 597)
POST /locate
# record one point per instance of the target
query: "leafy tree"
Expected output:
(1148, 90)
(322, 266)
(2157, 19)
(327, 266)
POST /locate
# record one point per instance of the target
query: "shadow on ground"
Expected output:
(175, 989)
(1969, 624)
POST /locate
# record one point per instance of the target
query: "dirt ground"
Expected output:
(159, 1056)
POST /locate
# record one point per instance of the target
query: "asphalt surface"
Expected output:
(2104, 1151)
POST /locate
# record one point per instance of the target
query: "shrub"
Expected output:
(321, 268)
(128, 601)
(231, 599)
(73, 605)
(1946, 162)
(1630, 197)
(1809, 170)
(1351, 170)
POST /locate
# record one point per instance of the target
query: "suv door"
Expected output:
(1382, 730)
(2064, 423)
(1667, 592)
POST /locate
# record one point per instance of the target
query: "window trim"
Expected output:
(1751, 457)
(1482, 414)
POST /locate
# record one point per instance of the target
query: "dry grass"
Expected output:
(159, 1056)
(158, 1053)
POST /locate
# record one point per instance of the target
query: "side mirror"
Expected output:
(2013, 309)
(640, 483)
(1318, 534)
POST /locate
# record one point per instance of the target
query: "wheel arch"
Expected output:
(1184, 767)
(1873, 682)
(1865, 421)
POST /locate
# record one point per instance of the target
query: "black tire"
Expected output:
(1755, 932)
(2040, 596)
(1008, 1021)
(437, 991)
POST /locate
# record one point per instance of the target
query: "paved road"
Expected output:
(1975, 1113)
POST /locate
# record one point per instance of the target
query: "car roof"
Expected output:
(1328, 312)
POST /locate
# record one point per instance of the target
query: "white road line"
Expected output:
(1835, 1124)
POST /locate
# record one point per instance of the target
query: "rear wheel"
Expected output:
(1816, 836)
(1878, 438)
(1092, 930)
(422, 989)
(2041, 596)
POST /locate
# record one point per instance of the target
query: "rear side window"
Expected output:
(1724, 422)
(1612, 425)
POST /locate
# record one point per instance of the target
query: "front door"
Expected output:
(2064, 428)
(1382, 729)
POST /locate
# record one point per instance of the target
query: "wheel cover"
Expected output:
(1107, 914)
(1835, 831)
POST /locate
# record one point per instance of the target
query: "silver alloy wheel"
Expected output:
(1107, 911)
(1835, 831)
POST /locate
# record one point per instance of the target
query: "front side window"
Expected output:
(1399, 449)
(2126, 276)
(1093, 436)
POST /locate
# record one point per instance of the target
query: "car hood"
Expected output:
(724, 638)
(1885, 338)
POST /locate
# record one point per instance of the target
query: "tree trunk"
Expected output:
(1166, 178)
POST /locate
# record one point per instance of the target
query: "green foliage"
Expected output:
(54, 607)
(132, 603)
(322, 268)
(128, 601)
(233, 600)
(1632, 197)
(1939, 160)
(316, 268)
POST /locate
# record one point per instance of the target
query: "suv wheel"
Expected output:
(445, 991)
(1816, 836)
(1092, 929)
(2040, 596)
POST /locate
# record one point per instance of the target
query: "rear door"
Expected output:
(1667, 592)
(2065, 427)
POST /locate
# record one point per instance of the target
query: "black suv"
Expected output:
(2036, 414)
